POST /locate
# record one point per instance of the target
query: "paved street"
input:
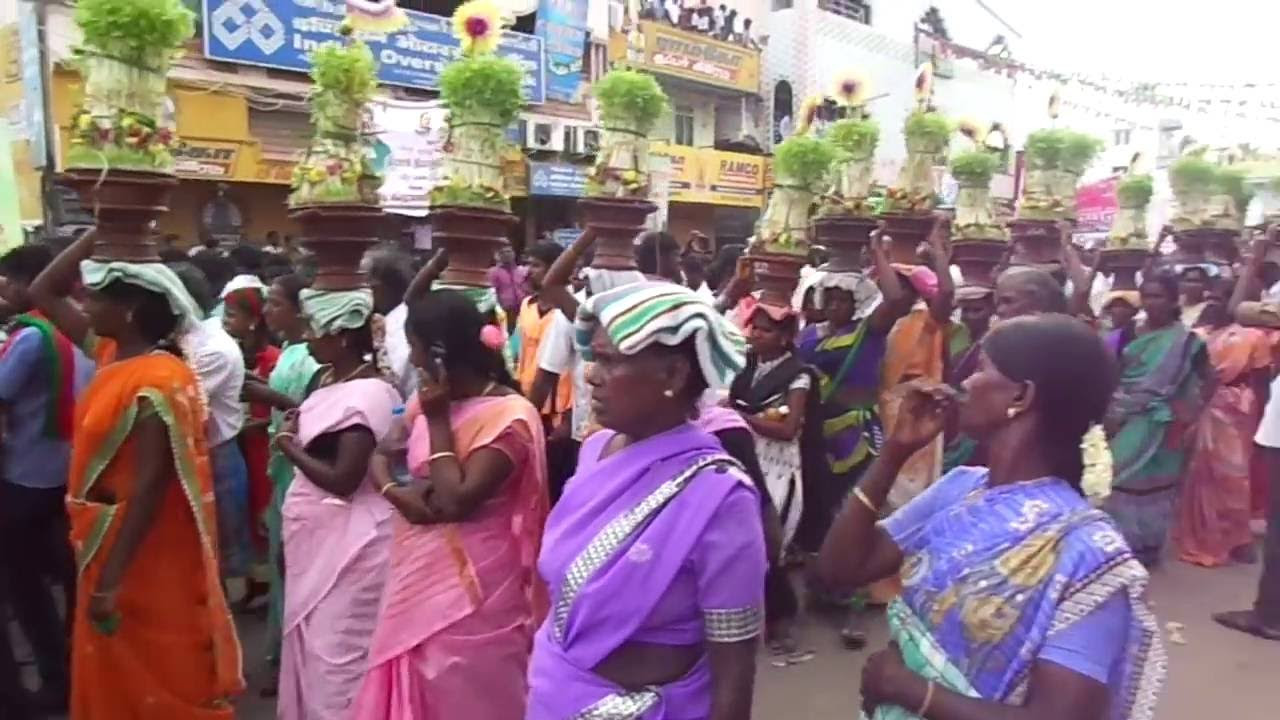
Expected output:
(1216, 674)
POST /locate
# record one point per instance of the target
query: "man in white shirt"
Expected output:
(1264, 619)
(389, 274)
(218, 363)
(558, 355)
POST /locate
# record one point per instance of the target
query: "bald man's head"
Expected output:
(1027, 291)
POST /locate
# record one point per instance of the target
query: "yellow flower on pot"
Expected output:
(809, 113)
(850, 89)
(478, 26)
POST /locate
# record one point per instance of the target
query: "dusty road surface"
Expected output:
(1216, 675)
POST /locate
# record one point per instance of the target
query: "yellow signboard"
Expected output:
(668, 50)
(714, 177)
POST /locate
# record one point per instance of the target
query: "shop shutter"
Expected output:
(283, 135)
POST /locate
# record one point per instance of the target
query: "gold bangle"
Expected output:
(928, 699)
(866, 501)
(440, 455)
(385, 488)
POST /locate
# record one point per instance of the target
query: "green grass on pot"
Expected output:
(484, 85)
(631, 100)
(804, 160)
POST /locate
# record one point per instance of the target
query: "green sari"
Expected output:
(291, 376)
(1158, 397)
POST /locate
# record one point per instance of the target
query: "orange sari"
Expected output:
(915, 351)
(174, 654)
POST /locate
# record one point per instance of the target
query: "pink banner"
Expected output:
(1096, 206)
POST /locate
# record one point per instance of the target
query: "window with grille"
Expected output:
(683, 125)
(852, 9)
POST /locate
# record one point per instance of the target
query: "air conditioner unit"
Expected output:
(545, 136)
(581, 140)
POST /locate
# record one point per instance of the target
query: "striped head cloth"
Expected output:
(638, 315)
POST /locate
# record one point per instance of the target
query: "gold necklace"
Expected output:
(349, 375)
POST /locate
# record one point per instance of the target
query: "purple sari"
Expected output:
(661, 543)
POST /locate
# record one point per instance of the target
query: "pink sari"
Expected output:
(335, 563)
(462, 600)
(1213, 517)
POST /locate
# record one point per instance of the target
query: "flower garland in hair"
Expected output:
(381, 359)
(1095, 483)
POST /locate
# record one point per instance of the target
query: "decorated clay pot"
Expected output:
(776, 276)
(1036, 242)
(846, 240)
(339, 235)
(1124, 264)
(978, 259)
(616, 222)
(906, 232)
(126, 205)
(471, 236)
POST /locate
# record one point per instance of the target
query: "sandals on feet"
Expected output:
(1246, 621)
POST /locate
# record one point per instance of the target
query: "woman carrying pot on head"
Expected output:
(242, 318)
(462, 598)
(654, 557)
(848, 351)
(336, 528)
(1019, 599)
(151, 624)
(776, 394)
(1160, 394)
(1212, 526)
(285, 389)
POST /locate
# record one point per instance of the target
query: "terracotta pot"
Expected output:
(978, 259)
(1124, 263)
(471, 236)
(616, 222)
(776, 276)
(125, 205)
(845, 238)
(1035, 242)
(339, 235)
(906, 233)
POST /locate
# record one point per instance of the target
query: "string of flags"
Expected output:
(1241, 100)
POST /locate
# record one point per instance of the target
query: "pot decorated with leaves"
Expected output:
(1210, 204)
(1127, 247)
(470, 212)
(335, 185)
(1056, 158)
(120, 158)
(617, 202)
(908, 204)
(979, 242)
(802, 166)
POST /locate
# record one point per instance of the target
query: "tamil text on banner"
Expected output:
(704, 175)
(558, 179)
(668, 50)
(1096, 206)
(562, 25)
(413, 135)
(281, 33)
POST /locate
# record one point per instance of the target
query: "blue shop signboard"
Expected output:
(281, 33)
(562, 24)
(560, 179)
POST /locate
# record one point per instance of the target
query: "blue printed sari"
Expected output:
(991, 575)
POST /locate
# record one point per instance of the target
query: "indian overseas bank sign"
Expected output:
(281, 33)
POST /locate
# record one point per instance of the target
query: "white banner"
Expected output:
(413, 133)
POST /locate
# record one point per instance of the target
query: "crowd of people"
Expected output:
(591, 492)
(721, 21)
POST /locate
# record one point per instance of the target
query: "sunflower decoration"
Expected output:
(850, 89)
(969, 128)
(809, 113)
(478, 26)
(924, 85)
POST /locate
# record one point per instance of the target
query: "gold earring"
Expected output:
(669, 393)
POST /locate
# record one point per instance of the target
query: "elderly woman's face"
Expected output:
(988, 396)
(632, 394)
